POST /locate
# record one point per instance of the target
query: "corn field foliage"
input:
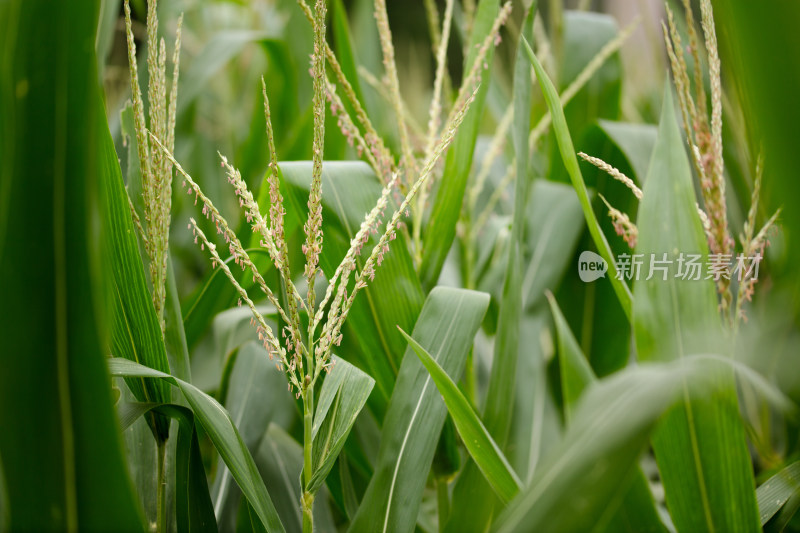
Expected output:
(435, 266)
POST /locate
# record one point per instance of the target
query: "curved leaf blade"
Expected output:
(415, 417)
(255, 391)
(637, 512)
(777, 491)
(482, 448)
(343, 395)
(63, 467)
(581, 483)
(700, 448)
(571, 163)
(217, 423)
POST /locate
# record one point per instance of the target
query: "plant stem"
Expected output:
(307, 498)
(161, 489)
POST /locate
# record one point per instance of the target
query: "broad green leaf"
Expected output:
(63, 467)
(473, 494)
(343, 395)
(497, 412)
(141, 453)
(217, 424)
(581, 483)
(349, 192)
(777, 491)
(130, 412)
(637, 512)
(571, 162)
(282, 77)
(700, 447)
(280, 461)
(233, 328)
(349, 496)
(3, 501)
(255, 391)
(441, 229)
(538, 422)
(554, 225)
(482, 448)
(446, 327)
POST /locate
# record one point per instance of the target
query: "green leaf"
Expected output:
(441, 229)
(777, 491)
(349, 496)
(193, 507)
(280, 461)
(538, 422)
(637, 512)
(217, 424)
(63, 467)
(554, 226)
(482, 448)
(343, 395)
(580, 485)
(446, 327)
(571, 163)
(498, 412)
(255, 393)
(109, 12)
(700, 448)
(130, 412)
(768, 101)
(349, 192)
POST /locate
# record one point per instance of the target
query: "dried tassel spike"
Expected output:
(344, 301)
(313, 225)
(622, 224)
(380, 152)
(614, 173)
